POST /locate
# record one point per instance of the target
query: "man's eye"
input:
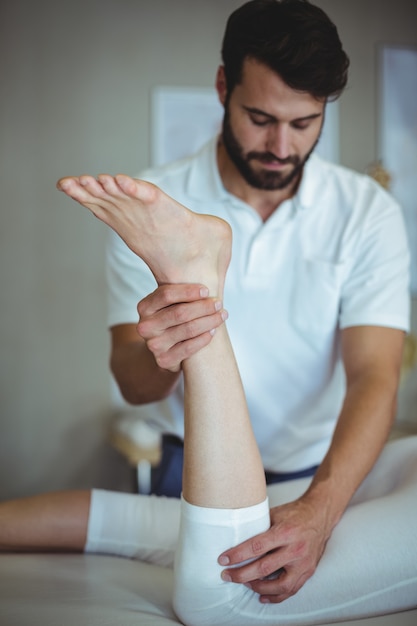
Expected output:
(300, 125)
(259, 121)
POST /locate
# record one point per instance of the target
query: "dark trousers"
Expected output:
(166, 478)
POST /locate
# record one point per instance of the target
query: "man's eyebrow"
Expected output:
(259, 112)
(305, 118)
(313, 116)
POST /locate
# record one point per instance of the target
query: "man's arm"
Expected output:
(134, 367)
(300, 530)
(175, 322)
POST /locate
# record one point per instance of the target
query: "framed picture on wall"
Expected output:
(397, 134)
(184, 118)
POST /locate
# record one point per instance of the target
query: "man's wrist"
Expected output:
(326, 503)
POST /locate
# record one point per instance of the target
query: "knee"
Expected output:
(188, 599)
(198, 602)
(183, 603)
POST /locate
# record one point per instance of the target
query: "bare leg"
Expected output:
(47, 522)
(222, 465)
(223, 483)
(180, 246)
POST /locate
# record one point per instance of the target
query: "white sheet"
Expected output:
(91, 590)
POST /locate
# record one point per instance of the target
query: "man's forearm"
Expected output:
(139, 378)
(361, 432)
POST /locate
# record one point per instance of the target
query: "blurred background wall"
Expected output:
(76, 83)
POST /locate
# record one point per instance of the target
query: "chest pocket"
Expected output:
(316, 297)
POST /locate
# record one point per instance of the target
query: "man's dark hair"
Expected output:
(294, 38)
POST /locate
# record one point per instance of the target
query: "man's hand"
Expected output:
(178, 320)
(286, 555)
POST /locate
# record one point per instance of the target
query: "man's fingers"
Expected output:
(261, 569)
(285, 586)
(282, 586)
(178, 320)
(167, 295)
(172, 359)
(163, 341)
(183, 321)
(250, 549)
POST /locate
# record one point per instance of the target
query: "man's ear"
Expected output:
(221, 85)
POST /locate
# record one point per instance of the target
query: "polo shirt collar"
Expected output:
(205, 184)
(311, 186)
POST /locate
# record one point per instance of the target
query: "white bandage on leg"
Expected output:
(200, 595)
(133, 526)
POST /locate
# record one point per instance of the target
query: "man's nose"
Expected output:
(279, 141)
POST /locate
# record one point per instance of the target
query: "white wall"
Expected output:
(76, 81)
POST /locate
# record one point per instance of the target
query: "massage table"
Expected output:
(96, 590)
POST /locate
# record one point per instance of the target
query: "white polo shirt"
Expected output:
(333, 256)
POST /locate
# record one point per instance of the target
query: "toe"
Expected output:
(109, 185)
(126, 184)
(91, 185)
(140, 189)
(66, 183)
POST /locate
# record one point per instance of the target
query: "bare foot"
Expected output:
(177, 244)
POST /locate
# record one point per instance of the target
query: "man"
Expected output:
(316, 291)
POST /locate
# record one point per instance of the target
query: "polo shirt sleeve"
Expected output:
(128, 280)
(376, 289)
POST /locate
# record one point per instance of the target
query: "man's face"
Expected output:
(269, 129)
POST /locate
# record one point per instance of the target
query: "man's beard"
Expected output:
(262, 179)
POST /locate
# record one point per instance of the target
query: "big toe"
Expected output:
(140, 189)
